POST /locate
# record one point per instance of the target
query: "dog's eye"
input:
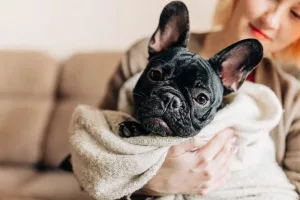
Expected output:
(156, 75)
(202, 99)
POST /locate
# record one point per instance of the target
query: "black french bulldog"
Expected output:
(179, 92)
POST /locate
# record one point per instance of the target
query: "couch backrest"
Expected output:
(83, 79)
(27, 86)
(37, 97)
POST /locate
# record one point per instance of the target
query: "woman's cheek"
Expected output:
(254, 9)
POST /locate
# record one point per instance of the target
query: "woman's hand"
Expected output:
(189, 169)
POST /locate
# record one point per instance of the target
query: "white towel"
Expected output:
(110, 167)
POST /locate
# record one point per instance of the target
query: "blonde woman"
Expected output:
(276, 24)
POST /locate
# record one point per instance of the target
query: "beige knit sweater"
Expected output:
(287, 88)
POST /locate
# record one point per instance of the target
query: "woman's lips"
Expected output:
(258, 33)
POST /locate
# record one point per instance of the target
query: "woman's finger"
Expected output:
(218, 168)
(218, 183)
(209, 151)
(188, 146)
(218, 178)
(224, 169)
(223, 155)
(218, 162)
(194, 143)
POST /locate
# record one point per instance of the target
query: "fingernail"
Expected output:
(204, 162)
(229, 129)
(233, 140)
(234, 149)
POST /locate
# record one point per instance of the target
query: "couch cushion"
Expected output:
(17, 198)
(54, 185)
(27, 73)
(83, 79)
(19, 182)
(12, 179)
(87, 74)
(23, 122)
(57, 140)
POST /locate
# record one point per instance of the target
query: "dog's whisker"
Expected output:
(162, 61)
(139, 94)
(144, 94)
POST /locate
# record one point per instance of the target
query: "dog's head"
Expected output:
(179, 92)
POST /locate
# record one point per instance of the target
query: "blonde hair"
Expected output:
(222, 14)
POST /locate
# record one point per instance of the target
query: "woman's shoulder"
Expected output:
(284, 84)
(292, 69)
(286, 72)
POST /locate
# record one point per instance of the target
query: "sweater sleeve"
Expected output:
(292, 153)
(132, 62)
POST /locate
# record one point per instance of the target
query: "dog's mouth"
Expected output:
(158, 126)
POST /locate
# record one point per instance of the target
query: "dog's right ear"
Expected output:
(235, 62)
(173, 28)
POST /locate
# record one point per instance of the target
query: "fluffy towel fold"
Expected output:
(110, 167)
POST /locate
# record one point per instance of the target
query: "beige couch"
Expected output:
(37, 97)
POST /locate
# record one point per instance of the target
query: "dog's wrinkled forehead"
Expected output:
(180, 61)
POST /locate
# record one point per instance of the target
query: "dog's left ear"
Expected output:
(234, 63)
(173, 28)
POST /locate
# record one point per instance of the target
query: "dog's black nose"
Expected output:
(171, 100)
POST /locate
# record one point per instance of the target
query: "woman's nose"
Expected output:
(271, 19)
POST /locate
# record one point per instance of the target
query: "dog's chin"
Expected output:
(157, 126)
